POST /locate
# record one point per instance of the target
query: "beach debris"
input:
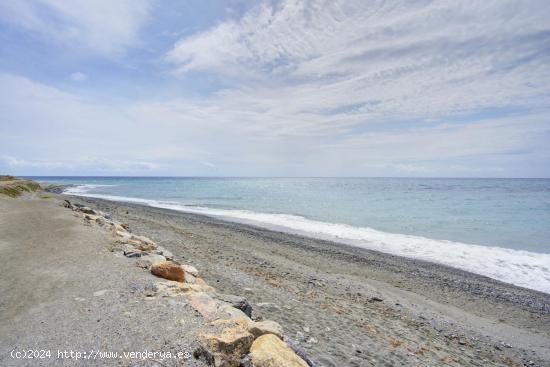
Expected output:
(168, 270)
(270, 351)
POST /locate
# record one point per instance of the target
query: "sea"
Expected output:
(499, 228)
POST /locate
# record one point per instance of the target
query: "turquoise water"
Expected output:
(457, 222)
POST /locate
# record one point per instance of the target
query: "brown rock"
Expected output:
(270, 351)
(168, 270)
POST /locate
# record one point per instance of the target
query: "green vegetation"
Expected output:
(14, 187)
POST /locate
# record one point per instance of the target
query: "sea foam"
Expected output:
(522, 268)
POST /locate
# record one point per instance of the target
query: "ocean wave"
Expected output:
(522, 268)
(83, 189)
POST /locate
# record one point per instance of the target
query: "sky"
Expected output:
(275, 88)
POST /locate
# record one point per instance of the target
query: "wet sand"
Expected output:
(348, 306)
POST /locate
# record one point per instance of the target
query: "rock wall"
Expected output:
(232, 338)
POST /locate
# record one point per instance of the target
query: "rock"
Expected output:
(191, 270)
(91, 217)
(207, 306)
(172, 288)
(190, 278)
(125, 226)
(67, 204)
(132, 252)
(100, 293)
(148, 290)
(260, 328)
(164, 252)
(204, 285)
(149, 260)
(100, 221)
(168, 270)
(299, 352)
(270, 351)
(238, 302)
(225, 346)
(227, 311)
(246, 361)
(87, 210)
(125, 236)
(142, 243)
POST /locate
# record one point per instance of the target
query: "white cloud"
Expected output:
(323, 65)
(78, 76)
(102, 26)
(310, 88)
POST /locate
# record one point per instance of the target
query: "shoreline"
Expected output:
(326, 241)
(447, 302)
(522, 268)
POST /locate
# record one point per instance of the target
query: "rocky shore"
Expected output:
(346, 306)
(230, 337)
(237, 295)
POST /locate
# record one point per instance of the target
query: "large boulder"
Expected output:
(224, 346)
(270, 351)
(168, 270)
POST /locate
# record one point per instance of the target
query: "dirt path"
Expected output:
(62, 290)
